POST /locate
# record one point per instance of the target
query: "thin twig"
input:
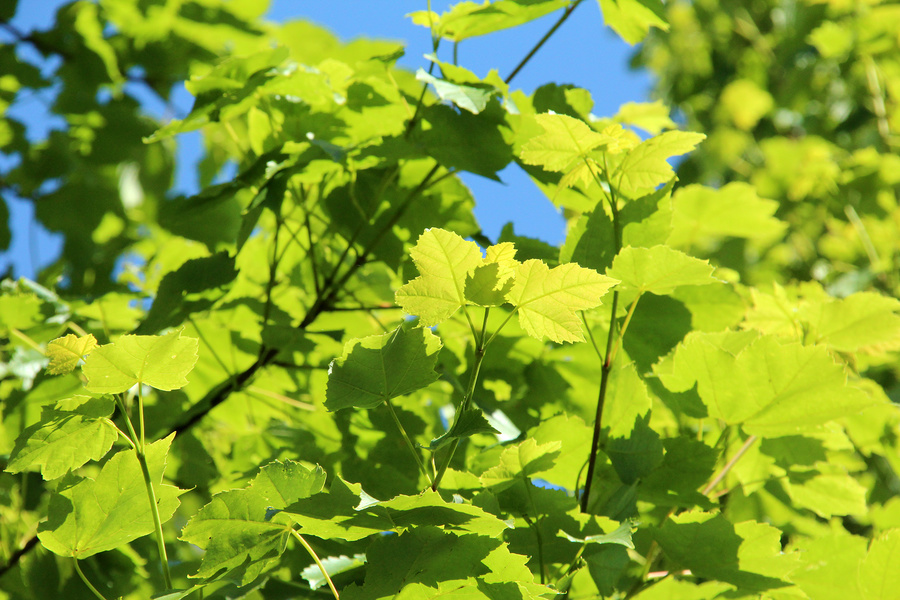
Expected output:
(315, 557)
(566, 14)
(87, 581)
(728, 466)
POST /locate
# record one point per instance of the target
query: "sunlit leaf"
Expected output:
(94, 515)
(547, 299)
(734, 210)
(767, 387)
(467, 97)
(65, 438)
(878, 577)
(646, 165)
(241, 530)
(565, 143)
(162, 362)
(65, 352)
(632, 19)
(470, 19)
(444, 260)
(658, 270)
(747, 555)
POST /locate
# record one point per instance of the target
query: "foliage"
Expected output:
(320, 372)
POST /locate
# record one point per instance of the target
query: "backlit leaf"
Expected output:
(621, 535)
(700, 214)
(161, 362)
(828, 491)
(547, 299)
(484, 286)
(747, 555)
(519, 461)
(65, 352)
(879, 578)
(632, 19)
(864, 321)
(658, 270)
(769, 388)
(467, 97)
(444, 260)
(645, 166)
(426, 562)
(346, 512)
(470, 19)
(565, 143)
(242, 531)
(469, 423)
(380, 367)
(95, 515)
(66, 437)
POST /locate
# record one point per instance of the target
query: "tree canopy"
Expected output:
(319, 378)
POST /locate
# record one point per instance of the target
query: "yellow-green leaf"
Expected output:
(65, 352)
(444, 260)
(162, 362)
(645, 166)
(565, 143)
(658, 270)
(547, 299)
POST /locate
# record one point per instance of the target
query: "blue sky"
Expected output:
(583, 52)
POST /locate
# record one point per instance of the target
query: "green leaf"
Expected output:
(484, 287)
(469, 423)
(637, 453)
(181, 292)
(621, 536)
(645, 166)
(65, 352)
(827, 490)
(747, 555)
(564, 145)
(658, 270)
(375, 369)
(745, 103)
(96, 515)
(831, 566)
(590, 241)
(861, 322)
(470, 19)
(346, 512)
(879, 578)
(426, 562)
(521, 461)
(832, 39)
(334, 565)
(575, 439)
(66, 437)
(88, 24)
(528, 247)
(769, 388)
(632, 19)
(547, 299)
(161, 362)
(444, 260)
(688, 464)
(652, 117)
(701, 214)
(467, 97)
(242, 531)
(461, 140)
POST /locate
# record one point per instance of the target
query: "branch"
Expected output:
(542, 41)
